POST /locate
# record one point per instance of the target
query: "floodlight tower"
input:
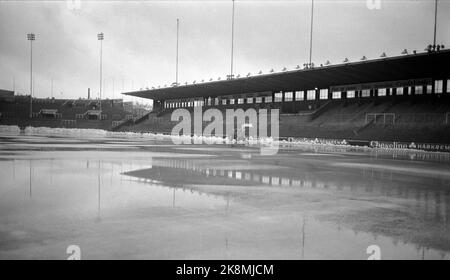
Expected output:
(232, 42)
(435, 23)
(311, 33)
(100, 37)
(176, 62)
(31, 37)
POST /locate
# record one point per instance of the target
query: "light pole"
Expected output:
(100, 37)
(31, 37)
(176, 62)
(113, 88)
(311, 33)
(435, 23)
(232, 42)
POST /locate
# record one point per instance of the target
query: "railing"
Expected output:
(68, 122)
(139, 118)
(385, 117)
(117, 124)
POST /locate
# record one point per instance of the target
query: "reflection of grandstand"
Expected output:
(368, 182)
(430, 205)
(403, 98)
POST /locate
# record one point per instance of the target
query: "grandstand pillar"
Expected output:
(433, 90)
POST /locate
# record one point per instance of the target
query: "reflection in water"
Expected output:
(231, 206)
(412, 155)
(31, 179)
(173, 201)
(99, 192)
(430, 207)
(372, 182)
(303, 237)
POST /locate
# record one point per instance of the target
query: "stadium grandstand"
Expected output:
(104, 114)
(402, 98)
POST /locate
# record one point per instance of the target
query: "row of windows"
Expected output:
(310, 95)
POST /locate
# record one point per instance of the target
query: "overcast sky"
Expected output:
(140, 39)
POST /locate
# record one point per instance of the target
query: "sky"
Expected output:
(139, 48)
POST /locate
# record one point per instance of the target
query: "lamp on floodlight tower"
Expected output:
(432, 48)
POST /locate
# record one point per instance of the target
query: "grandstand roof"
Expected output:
(413, 66)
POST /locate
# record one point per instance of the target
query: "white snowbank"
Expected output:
(98, 133)
(9, 129)
(267, 141)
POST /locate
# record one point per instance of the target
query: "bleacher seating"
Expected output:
(422, 119)
(57, 112)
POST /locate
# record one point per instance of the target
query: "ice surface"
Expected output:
(133, 196)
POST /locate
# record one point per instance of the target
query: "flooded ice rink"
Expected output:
(148, 199)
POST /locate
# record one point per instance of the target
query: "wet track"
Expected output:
(136, 199)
